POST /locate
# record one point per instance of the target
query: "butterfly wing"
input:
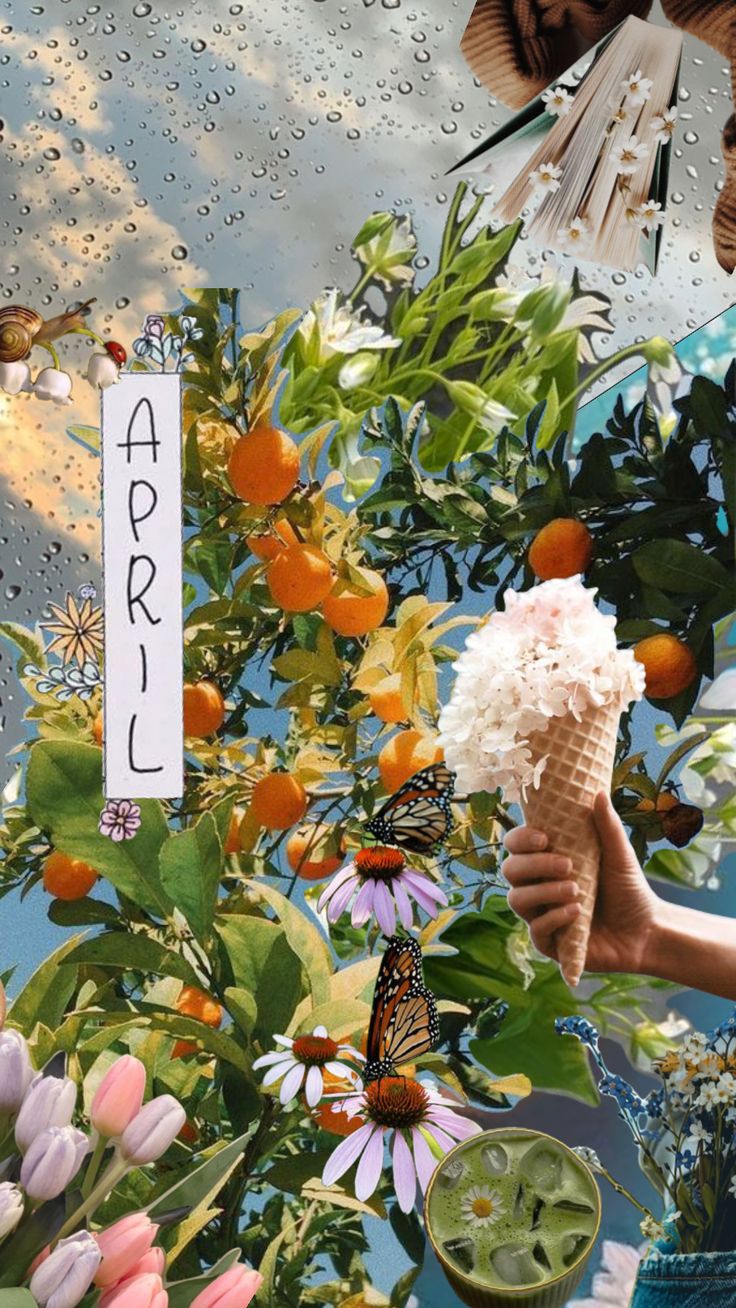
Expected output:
(418, 816)
(404, 1021)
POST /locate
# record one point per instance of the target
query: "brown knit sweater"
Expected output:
(517, 47)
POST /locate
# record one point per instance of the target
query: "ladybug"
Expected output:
(116, 352)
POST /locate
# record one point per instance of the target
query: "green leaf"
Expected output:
(190, 863)
(548, 428)
(17, 1299)
(266, 967)
(305, 939)
(26, 641)
(708, 407)
(135, 953)
(88, 437)
(44, 996)
(202, 1182)
(64, 794)
(290, 1174)
(675, 565)
(82, 912)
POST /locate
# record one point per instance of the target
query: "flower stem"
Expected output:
(46, 345)
(94, 1167)
(110, 1177)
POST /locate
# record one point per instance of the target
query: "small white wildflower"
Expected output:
(557, 100)
(628, 156)
(637, 88)
(664, 125)
(547, 177)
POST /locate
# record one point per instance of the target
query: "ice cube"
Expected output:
(539, 1254)
(462, 1251)
(451, 1174)
(513, 1264)
(542, 1165)
(537, 1212)
(495, 1159)
(573, 1206)
(519, 1201)
(572, 1246)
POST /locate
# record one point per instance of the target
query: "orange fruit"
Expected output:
(97, 729)
(188, 1133)
(352, 614)
(267, 544)
(279, 800)
(67, 878)
(307, 852)
(404, 754)
(385, 699)
(336, 1123)
(666, 800)
(561, 549)
(193, 1002)
(204, 709)
(669, 665)
(264, 466)
(299, 578)
(232, 839)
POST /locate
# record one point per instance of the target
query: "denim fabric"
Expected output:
(687, 1281)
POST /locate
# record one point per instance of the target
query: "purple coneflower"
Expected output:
(424, 1129)
(120, 819)
(382, 884)
(303, 1060)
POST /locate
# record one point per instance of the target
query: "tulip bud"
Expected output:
(11, 1207)
(135, 1292)
(65, 1276)
(16, 1072)
(119, 1096)
(49, 1101)
(234, 1289)
(122, 1245)
(160, 1300)
(152, 1130)
(153, 1261)
(53, 384)
(102, 371)
(53, 1158)
(14, 377)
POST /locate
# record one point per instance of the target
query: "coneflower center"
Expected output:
(396, 1101)
(379, 863)
(313, 1050)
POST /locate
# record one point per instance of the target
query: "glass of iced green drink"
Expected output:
(512, 1216)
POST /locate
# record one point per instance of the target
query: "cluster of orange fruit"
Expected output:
(264, 469)
(564, 548)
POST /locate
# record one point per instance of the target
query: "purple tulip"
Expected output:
(49, 1101)
(16, 1072)
(65, 1276)
(54, 1157)
(152, 1130)
(11, 1207)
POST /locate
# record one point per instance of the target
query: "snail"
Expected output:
(22, 328)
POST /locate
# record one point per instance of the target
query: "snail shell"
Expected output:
(18, 327)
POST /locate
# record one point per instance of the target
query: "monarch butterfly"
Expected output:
(404, 1021)
(418, 816)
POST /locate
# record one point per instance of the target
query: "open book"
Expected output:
(591, 154)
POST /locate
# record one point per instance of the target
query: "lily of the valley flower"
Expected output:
(15, 377)
(102, 371)
(423, 1130)
(389, 249)
(378, 882)
(328, 329)
(53, 384)
(303, 1060)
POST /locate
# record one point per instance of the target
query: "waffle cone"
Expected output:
(580, 758)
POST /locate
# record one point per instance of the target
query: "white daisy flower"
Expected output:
(628, 156)
(547, 177)
(482, 1206)
(303, 1060)
(708, 1096)
(557, 100)
(664, 125)
(575, 234)
(649, 215)
(637, 88)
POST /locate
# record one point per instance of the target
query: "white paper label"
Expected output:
(142, 584)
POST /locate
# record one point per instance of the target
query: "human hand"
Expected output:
(543, 892)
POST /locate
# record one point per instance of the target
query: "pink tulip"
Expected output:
(153, 1261)
(135, 1292)
(152, 1130)
(122, 1245)
(160, 1300)
(234, 1289)
(119, 1096)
